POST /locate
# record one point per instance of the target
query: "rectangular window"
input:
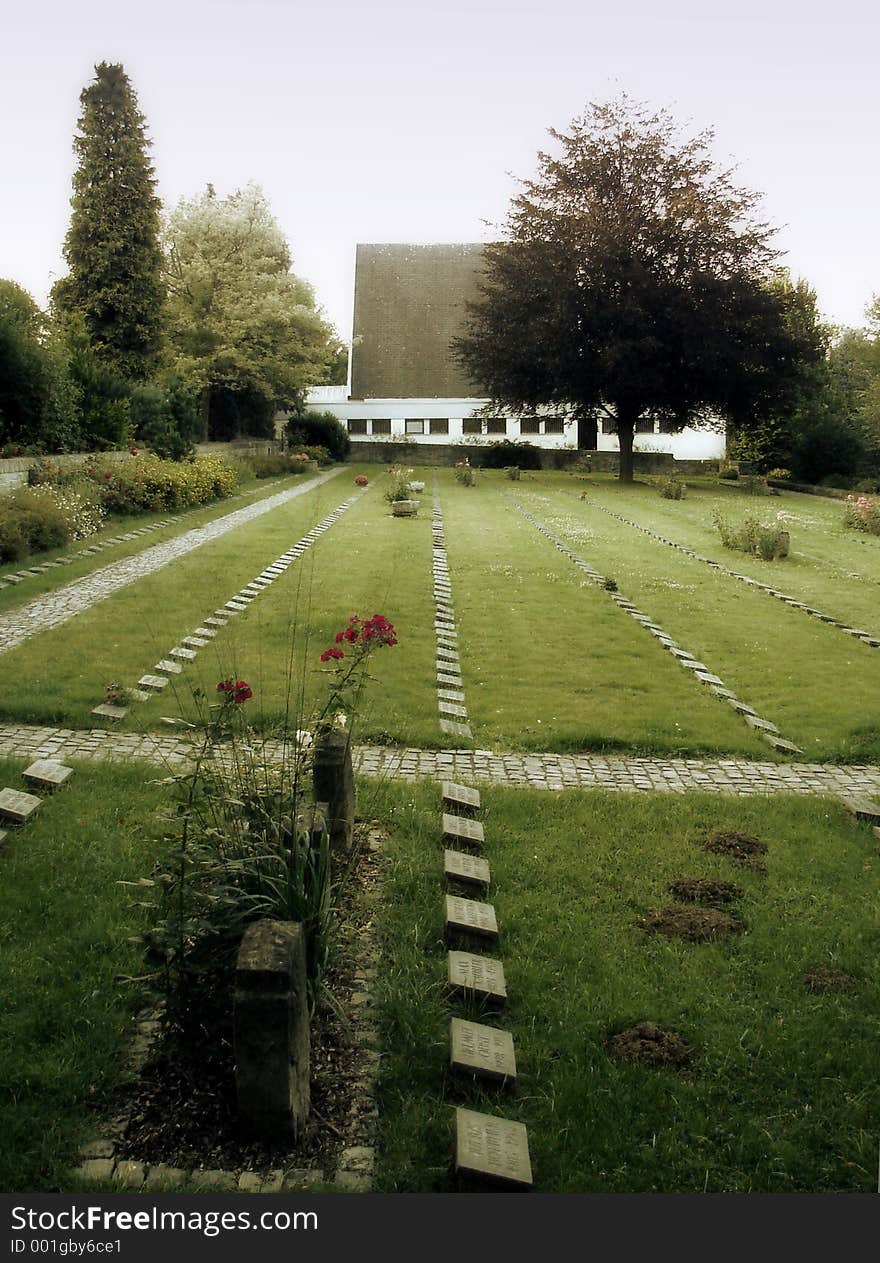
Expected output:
(357, 427)
(416, 426)
(608, 426)
(554, 425)
(439, 425)
(530, 425)
(472, 425)
(381, 425)
(668, 427)
(496, 425)
(644, 426)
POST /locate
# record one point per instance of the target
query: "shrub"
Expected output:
(862, 514)
(464, 474)
(727, 471)
(781, 475)
(398, 484)
(753, 485)
(166, 417)
(505, 453)
(672, 489)
(768, 540)
(311, 452)
(35, 519)
(319, 429)
(148, 484)
(276, 466)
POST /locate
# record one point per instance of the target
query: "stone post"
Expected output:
(333, 782)
(271, 1035)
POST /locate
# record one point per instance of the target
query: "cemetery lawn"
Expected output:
(66, 926)
(782, 1093)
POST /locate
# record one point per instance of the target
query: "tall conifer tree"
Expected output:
(112, 246)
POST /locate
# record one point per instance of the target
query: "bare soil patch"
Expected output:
(652, 1046)
(825, 979)
(739, 847)
(705, 890)
(696, 925)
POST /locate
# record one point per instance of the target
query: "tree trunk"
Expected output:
(626, 427)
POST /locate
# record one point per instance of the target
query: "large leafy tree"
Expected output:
(242, 327)
(112, 246)
(631, 281)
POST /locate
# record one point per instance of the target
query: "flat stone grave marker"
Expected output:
(198, 642)
(17, 806)
(708, 678)
(455, 795)
(740, 707)
(492, 1149)
(762, 725)
(167, 665)
(680, 653)
(691, 664)
(469, 916)
(861, 808)
(156, 682)
(238, 606)
(107, 711)
(479, 977)
(784, 747)
(452, 708)
(208, 633)
(720, 691)
(481, 1050)
(451, 695)
(460, 828)
(451, 654)
(188, 655)
(214, 621)
(464, 867)
(452, 728)
(443, 677)
(139, 695)
(47, 773)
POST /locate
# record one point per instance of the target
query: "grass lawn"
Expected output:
(65, 930)
(782, 1094)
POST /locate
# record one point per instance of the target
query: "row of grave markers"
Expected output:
(17, 806)
(683, 657)
(487, 1148)
(450, 690)
(19, 576)
(189, 647)
(865, 637)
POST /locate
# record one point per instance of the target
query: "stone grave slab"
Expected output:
(762, 725)
(139, 695)
(446, 642)
(196, 642)
(214, 621)
(479, 977)
(725, 693)
(469, 916)
(740, 707)
(155, 682)
(452, 728)
(861, 808)
(465, 867)
(443, 677)
(47, 773)
(187, 655)
(708, 678)
(681, 653)
(492, 1149)
(691, 664)
(452, 708)
(783, 746)
(207, 633)
(108, 711)
(238, 606)
(461, 829)
(455, 795)
(16, 806)
(481, 1050)
(451, 695)
(167, 665)
(450, 654)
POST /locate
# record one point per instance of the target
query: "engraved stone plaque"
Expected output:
(214, 621)
(763, 725)
(186, 654)
(459, 828)
(471, 917)
(450, 654)
(453, 728)
(157, 682)
(106, 711)
(451, 695)
(237, 606)
(47, 773)
(861, 808)
(167, 665)
(494, 1149)
(460, 795)
(477, 976)
(16, 806)
(443, 677)
(481, 1050)
(464, 867)
(452, 708)
(195, 642)
(207, 633)
(706, 677)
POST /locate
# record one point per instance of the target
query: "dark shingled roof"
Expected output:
(409, 302)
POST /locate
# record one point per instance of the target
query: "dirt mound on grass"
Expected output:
(651, 1045)
(824, 979)
(696, 925)
(705, 890)
(739, 847)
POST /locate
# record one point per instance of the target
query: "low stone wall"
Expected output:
(439, 454)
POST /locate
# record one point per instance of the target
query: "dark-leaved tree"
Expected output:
(632, 283)
(112, 245)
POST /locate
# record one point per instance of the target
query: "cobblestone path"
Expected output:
(54, 608)
(529, 771)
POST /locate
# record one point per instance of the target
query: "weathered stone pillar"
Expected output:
(333, 781)
(271, 1018)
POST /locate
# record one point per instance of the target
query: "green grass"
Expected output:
(65, 937)
(782, 1095)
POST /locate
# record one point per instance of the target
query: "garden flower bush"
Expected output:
(34, 519)
(148, 484)
(768, 540)
(862, 514)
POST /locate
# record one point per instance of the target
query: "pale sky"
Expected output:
(406, 121)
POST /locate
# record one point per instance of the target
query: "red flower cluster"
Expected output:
(361, 481)
(238, 690)
(371, 631)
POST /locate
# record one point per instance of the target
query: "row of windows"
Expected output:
(643, 426)
(470, 425)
